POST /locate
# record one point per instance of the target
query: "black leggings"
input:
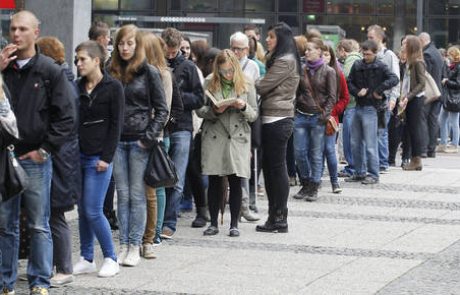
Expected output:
(216, 197)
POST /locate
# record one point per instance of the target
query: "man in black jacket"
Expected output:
(43, 102)
(368, 80)
(434, 63)
(181, 132)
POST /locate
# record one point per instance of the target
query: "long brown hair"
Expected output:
(414, 49)
(239, 82)
(117, 68)
(154, 52)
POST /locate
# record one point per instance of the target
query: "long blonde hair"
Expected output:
(239, 82)
(154, 52)
(117, 70)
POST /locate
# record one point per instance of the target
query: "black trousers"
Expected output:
(62, 242)
(194, 179)
(216, 192)
(275, 138)
(430, 125)
(414, 114)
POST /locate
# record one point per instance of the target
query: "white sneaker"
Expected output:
(122, 253)
(109, 268)
(148, 251)
(84, 266)
(133, 257)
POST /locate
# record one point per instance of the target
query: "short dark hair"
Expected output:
(172, 37)
(370, 45)
(252, 27)
(98, 29)
(93, 49)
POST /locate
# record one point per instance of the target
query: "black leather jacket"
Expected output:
(146, 110)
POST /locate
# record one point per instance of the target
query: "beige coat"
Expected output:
(226, 137)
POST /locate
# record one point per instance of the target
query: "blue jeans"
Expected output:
(347, 131)
(308, 146)
(36, 202)
(129, 166)
(161, 198)
(91, 219)
(330, 156)
(179, 152)
(449, 121)
(364, 141)
(383, 143)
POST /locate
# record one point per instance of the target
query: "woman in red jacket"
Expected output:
(329, 152)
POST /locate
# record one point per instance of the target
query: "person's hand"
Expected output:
(34, 156)
(376, 95)
(403, 103)
(444, 81)
(239, 104)
(392, 105)
(362, 92)
(101, 166)
(141, 145)
(219, 110)
(6, 55)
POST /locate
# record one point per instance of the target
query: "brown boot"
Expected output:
(414, 165)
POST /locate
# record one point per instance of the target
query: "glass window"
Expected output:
(259, 5)
(136, 4)
(355, 27)
(292, 21)
(315, 6)
(105, 4)
(201, 5)
(176, 4)
(439, 31)
(232, 5)
(438, 7)
(350, 6)
(287, 5)
(385, 7)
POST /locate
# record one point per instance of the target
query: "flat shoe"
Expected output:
(211, 231)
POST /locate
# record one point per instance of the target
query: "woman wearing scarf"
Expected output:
(316, 98)
(226, 135)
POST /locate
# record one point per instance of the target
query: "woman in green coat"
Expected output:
(230, 104)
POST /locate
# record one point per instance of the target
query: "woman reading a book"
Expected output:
(230, 104)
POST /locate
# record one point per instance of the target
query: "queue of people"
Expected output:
(214, 112)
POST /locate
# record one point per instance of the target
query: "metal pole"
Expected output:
(420, 16)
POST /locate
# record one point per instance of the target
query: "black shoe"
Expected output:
(304, 191)
(354, 178)
(234, 232)
(112, 219)
(200, 219)
(313, 193)
(211, 231)
(275, 224)
(370, 180)
(431, 154)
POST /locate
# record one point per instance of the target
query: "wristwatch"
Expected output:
(43, 153)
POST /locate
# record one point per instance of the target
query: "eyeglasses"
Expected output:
(240, 49)
(224, 72)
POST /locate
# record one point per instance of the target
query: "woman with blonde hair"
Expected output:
(145, 114)
(413, 96)
(449, 118)
(226, 135)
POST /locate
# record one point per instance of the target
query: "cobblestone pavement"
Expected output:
(401, 236)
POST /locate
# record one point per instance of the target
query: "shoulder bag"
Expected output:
(160, 171)
(432, 92)
(13, 178)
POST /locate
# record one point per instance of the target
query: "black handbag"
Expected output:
(451, 101)
(13, 178)
(160, 171)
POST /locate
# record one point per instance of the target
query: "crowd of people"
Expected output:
(222, 115)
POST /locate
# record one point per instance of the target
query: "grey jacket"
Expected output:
(278, 87)
(226, 137)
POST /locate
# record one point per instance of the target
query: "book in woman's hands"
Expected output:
(220, 103)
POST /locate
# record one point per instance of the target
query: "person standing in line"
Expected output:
(180, 134)
(44, 104)
(413, 97)
(430, 122)
(338, 108)
(368, 80)
(101, 118)
(145, 115)
(277, 91)
(66, 179)
(318, 94)
(448, 119)
(348, 51)
(226, 144)
(389, 58)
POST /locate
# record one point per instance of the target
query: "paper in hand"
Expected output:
(220, 103)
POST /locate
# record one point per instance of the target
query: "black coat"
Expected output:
(66, 181)
(375, 76)
(434, 62)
